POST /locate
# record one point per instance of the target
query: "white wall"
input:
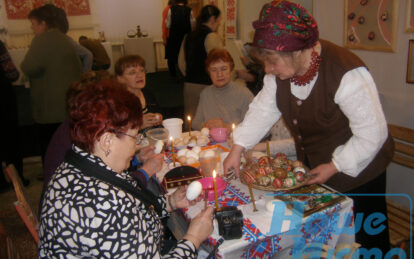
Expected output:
(115, 18)
(389, 72)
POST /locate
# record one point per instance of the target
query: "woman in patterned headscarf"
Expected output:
(329, 102)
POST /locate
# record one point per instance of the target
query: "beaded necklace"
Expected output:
(311, 73)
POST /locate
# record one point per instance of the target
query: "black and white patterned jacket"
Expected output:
(83, 217)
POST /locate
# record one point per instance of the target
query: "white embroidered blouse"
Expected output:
(358, 99)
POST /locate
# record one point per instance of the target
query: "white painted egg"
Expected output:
(196, 149)
(191, 153)
(182, 152)
(191, 160)
(192, 142)
(193, 190)
(158, 146)
(208, 153)
(202, 140)
(182, 159)
(205, 131)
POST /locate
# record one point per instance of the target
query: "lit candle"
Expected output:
(189, 124)
(215, 190)
(267, 148)
(172, 149)
(233, 126)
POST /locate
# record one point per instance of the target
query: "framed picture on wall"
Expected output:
(410, 16)
(371, 25)
(410, 62)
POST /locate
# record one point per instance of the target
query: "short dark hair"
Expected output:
(46, 13)
(207, 12)
(83, 37)
(128, 61)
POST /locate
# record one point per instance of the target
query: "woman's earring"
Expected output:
(107, 152)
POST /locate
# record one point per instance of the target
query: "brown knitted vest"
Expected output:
(319, 126)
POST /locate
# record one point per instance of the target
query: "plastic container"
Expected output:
(207, 183)
(174, 127)
(157, 134)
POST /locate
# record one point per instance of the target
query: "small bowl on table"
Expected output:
(219, 134)
(208, 186)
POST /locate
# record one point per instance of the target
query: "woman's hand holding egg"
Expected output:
(179, 199)
(151, 119)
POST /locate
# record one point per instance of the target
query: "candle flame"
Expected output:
(214, 173)
(233, 126)
(189, 117)
(171, 138)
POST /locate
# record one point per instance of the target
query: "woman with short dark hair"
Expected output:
(51, 64)
(130, 71)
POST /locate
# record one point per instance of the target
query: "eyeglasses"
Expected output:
(138, 138)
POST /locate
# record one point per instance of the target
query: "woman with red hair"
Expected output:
(223, 102)
(92, 206)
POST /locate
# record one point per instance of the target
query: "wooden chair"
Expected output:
(7, 248)
(22, 205)
(399, 216)
(404, 145)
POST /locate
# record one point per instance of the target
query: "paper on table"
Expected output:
(262, 219)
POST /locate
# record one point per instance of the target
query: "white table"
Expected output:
(144, 47)
(317, 229)
(259, 240)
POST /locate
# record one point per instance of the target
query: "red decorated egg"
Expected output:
(299, 169)
(277, 183)
(280, 173)
(249, 176)
(281, 155)
(264, 161)
(300, 177)
(261, 171)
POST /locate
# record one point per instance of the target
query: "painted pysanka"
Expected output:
(273, 174)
